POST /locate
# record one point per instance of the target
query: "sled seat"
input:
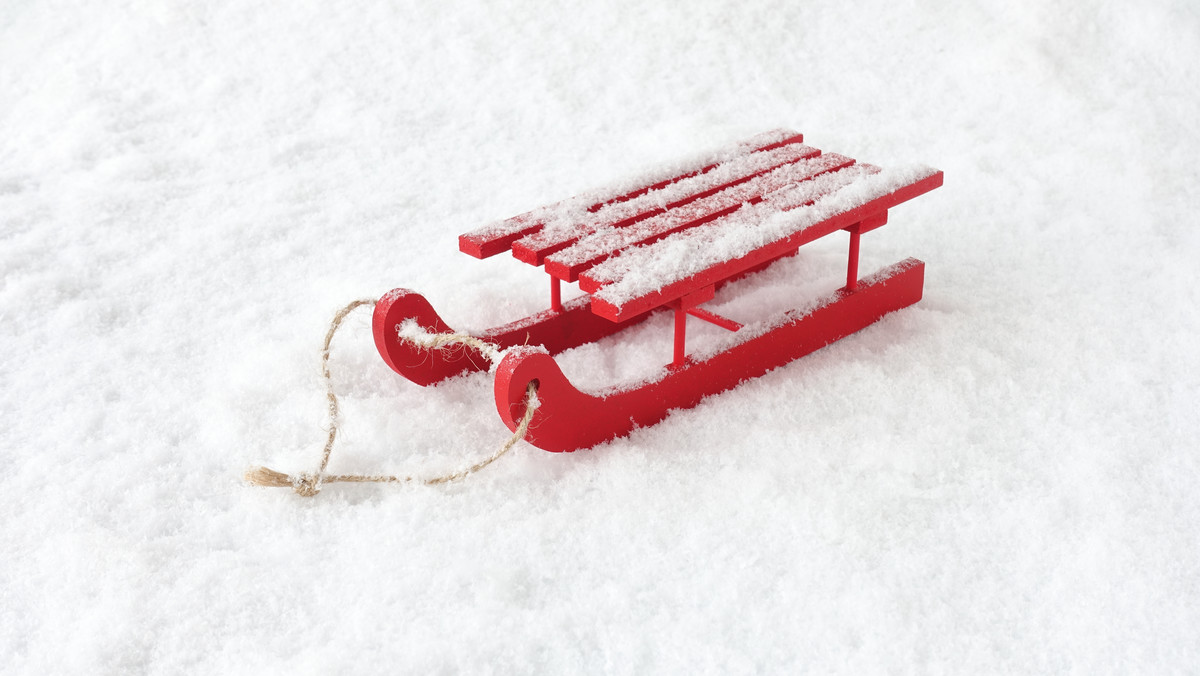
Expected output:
(500, 236)
(669, 238)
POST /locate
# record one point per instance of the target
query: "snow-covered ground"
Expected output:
(1004, 478)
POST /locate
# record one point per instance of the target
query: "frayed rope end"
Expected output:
(305, 484)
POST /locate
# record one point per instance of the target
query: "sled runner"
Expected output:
(669, 241)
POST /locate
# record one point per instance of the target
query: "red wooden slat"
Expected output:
(716, 273)
(588, 251)
(485, 246)
(693, 250)
(534, 248)
(498, 237)
(791, 139)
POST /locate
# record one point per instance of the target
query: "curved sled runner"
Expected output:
(568, 419)
(555, 330)
(668, 242)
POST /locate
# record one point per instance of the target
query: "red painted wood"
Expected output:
(568, 264)
(573, 326)
(485, 246)
(870, 223)
(680, 355)
(489, 242)
(852, 265)
(534, 248)
(568, 419)
(697, 297)
(791, 139)
(555, 294)
(772, 250)
(713, 318)
(776, 202)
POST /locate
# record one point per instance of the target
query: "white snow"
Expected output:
(1002, 479)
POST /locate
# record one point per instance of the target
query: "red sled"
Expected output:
(669, 241)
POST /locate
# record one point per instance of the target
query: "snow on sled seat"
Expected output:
(668, 241)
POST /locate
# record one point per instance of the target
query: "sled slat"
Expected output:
(499, 237)
(598, 246)
(677, 277)
(563, 232)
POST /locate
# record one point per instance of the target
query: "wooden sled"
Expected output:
(670, 241)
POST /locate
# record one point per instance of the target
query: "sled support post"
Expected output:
(852, 265)
(556, 294)
(876, 220)
(684, 306)
(680, 336)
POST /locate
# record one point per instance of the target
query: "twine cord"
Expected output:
(309, 484)
(410, 331)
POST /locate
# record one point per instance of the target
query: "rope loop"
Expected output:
(308, 484)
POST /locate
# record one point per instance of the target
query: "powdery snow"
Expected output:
(1001, 479)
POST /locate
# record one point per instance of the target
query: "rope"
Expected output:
(412, 332)
(309, 484)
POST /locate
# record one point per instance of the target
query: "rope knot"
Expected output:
(307, 484)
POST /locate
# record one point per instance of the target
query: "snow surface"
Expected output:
(1002, 479)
